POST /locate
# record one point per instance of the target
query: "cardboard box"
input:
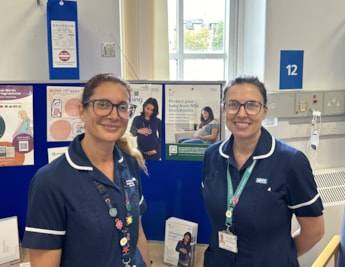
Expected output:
(9, 240)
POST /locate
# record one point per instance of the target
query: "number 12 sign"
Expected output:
(291, 69)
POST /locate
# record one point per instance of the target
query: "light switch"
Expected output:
(108, 50)
(303, 105)
(307, 102)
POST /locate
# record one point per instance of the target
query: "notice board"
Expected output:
(173, 187)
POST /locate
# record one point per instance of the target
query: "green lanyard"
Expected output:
(234, 198)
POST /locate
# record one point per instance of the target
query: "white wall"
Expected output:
(23, 31)
(315, 26)
(318, 28)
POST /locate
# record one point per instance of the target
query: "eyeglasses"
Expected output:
(251, 107)
(103, 107)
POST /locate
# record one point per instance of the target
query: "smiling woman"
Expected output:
(207, 131)
(147, 129)
(262, 182)
(90, 199)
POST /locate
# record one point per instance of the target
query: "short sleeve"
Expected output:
(303, 197)
(214, 124)
(45, 226)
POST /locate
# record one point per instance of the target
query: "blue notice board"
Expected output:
(291, 69)
(172, 189)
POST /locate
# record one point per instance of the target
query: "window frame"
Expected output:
(230, 44)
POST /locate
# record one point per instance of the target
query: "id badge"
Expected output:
(227, 241)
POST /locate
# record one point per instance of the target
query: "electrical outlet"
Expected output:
(328, 128)
(334, 103)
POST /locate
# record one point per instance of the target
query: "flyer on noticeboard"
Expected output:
(63, 122)
(145, 126)
(16, 125)
(192, 112)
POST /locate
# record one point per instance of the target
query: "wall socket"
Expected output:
(328, 128)
(334, 103)
(303, 103)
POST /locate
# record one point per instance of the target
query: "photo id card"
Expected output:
(227, 241)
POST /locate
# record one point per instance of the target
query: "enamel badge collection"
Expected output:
(122, 227)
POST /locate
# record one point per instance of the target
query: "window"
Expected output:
(198, 34)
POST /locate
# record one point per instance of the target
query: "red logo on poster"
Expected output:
(64, 55)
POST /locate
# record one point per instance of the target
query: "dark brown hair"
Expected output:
(248, 79)
(98, 79)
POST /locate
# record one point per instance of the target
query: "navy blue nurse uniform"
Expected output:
(65, 209)
(281, 184)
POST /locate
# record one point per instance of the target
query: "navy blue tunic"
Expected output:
(66, 211)
(281, 184)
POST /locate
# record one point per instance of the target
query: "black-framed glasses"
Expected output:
(103, 107)
(251, 107)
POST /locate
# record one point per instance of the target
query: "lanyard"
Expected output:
(122, 227)
(233, 198)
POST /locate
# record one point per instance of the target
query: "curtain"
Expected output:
(145, 40)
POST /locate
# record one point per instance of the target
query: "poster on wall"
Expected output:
(192, 119)
(16, 126)
(64, 48)
(63, 122)
(145, 127)
(55, 152)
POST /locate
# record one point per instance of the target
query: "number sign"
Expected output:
(291, 69)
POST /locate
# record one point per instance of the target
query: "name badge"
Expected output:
(227, 241)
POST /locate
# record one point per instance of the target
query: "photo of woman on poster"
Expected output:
(207, 130)
(146, 127)
(184, 249)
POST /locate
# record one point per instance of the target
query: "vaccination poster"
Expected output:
(145, 127)
(16, 126)
(184, 113)
(63, 122)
